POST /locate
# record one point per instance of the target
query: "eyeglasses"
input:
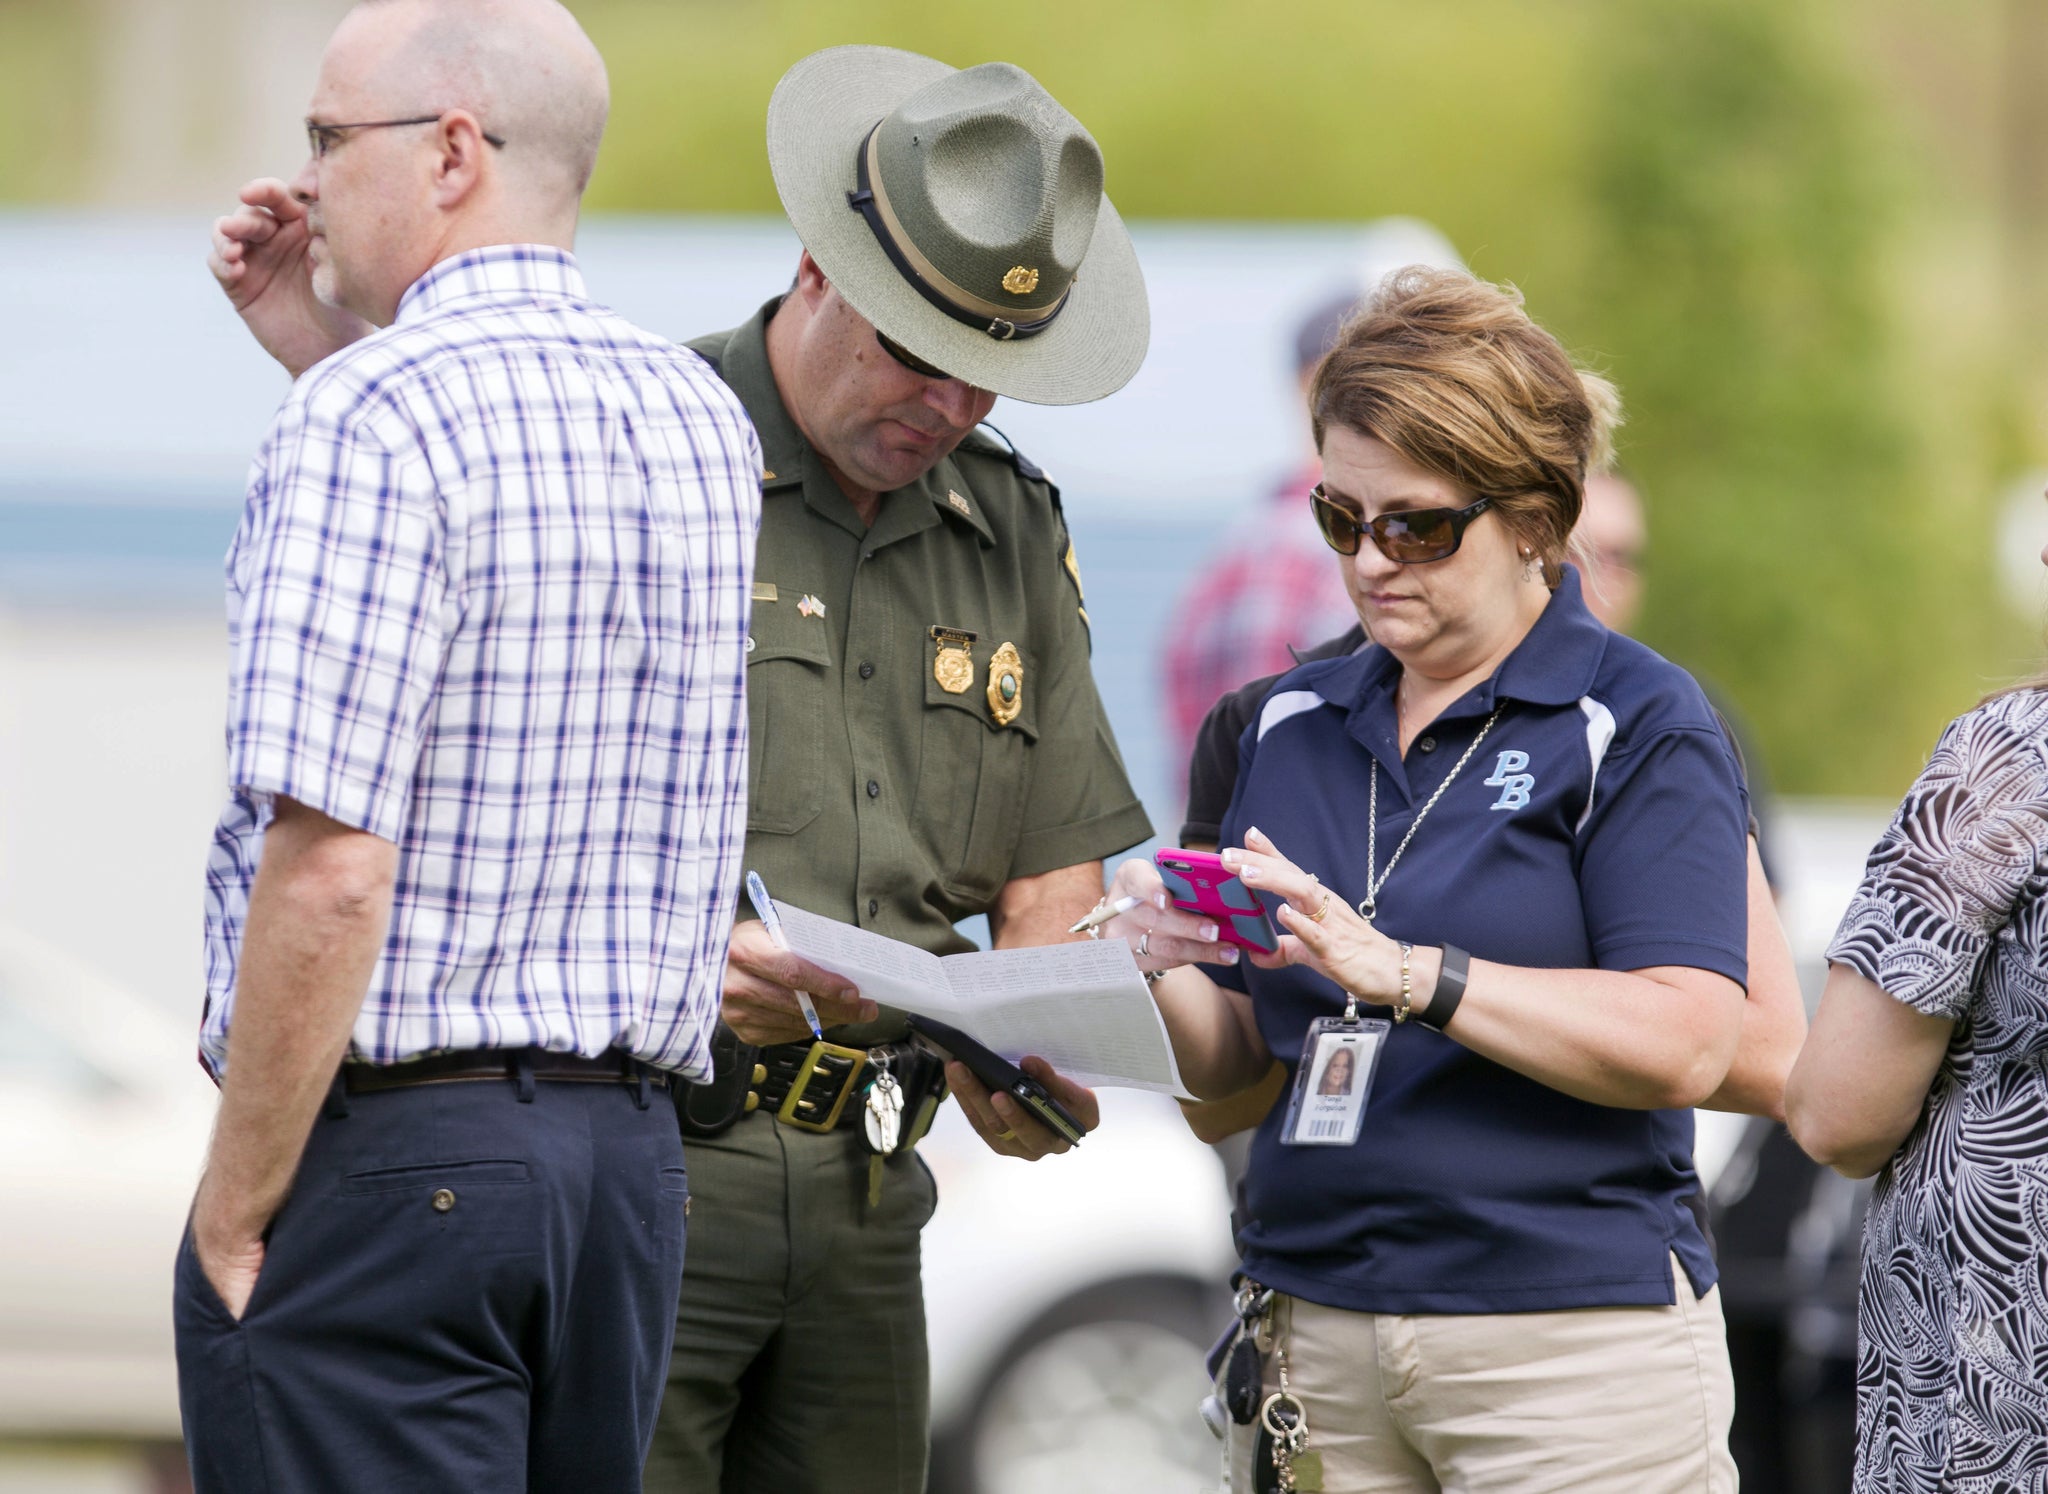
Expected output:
(1413, 537)
(321, 138)
(909, 359)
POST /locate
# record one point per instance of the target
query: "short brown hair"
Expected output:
(1450, 371)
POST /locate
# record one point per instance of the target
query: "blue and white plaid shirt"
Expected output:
(488, 601)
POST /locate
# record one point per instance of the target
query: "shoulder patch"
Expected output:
(1072, 563)
(1026, 468)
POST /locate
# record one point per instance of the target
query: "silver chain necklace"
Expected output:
(1369, 904)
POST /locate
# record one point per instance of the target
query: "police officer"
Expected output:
(928, 743)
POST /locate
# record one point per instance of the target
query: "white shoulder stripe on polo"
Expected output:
(1286, 703)
(1599, 737)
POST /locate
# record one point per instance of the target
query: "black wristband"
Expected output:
(1450, 989)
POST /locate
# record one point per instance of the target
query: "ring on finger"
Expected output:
(1006, 1135)
(1322, 912)
(1144, 944)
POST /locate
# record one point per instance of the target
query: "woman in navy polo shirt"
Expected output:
(1514, 844)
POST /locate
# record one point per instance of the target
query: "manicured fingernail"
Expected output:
(1229, 954)
(1209, 933)
(1249, 874)
(1254, 830)
(1232, 857)
(1159, 901)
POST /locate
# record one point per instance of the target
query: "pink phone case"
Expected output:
(1199, 882)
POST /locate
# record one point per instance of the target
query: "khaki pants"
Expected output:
(1600, 1400)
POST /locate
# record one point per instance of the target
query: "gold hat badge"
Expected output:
(953, 660)
(1021, 280)
(1005, 684)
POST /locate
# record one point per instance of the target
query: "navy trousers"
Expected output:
(467, 1289)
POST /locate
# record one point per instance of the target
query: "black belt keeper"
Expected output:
(712, 1108)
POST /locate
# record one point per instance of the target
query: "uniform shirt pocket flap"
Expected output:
(779, 631)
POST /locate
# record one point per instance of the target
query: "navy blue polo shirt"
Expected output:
(1601, 824)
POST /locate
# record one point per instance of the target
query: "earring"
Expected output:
(1529, 565)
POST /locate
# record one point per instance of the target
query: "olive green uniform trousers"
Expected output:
(800, 1364)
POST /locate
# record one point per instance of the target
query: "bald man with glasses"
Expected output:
(469, 901)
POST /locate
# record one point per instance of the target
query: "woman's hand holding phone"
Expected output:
(1340, 945)
(1161, 935)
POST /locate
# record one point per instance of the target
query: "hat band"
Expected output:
(872, 203)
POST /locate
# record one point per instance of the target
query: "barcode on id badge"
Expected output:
(1326, 1129)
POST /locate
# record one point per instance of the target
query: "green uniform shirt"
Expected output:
(876, 794)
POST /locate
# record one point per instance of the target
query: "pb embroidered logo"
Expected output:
(1513, 783)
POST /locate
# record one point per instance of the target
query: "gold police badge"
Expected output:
(1005, 684)
(953, 659)
(1022, 280)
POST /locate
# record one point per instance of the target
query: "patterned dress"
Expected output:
(1952, 919)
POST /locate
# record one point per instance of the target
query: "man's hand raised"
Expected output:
(259, 258)
(761, 981)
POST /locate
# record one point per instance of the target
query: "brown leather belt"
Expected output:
(470, 1064)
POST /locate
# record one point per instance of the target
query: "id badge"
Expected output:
(1333, 1081)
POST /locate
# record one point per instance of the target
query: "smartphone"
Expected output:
(1199, 882)
(998, 1073)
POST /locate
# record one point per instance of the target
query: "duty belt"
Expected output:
(813, 1086)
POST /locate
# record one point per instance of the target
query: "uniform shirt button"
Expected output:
(867, 671)
(874, 789)
(443, 1200)
(1427, 744)
(873, 907)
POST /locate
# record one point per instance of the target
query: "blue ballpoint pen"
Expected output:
(765, 906)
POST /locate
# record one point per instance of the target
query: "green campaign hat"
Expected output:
(961, 211)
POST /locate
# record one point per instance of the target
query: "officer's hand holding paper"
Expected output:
(1082, 1007)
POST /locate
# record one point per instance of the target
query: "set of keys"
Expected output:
(1297, 1468)
(884, 1125)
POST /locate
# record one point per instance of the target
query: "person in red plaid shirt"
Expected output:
(1270, 590)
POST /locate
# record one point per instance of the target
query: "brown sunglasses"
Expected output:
(1414, 537)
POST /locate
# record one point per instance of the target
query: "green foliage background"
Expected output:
(1775, 223)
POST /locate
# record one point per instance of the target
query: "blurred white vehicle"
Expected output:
(1068, 1303)
(103, 1124)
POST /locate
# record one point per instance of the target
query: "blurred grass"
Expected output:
(46, 100)
(1776, 223)
(1205, 109)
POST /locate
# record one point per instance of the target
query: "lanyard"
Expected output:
(1369, 904)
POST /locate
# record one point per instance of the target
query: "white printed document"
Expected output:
(1083, 1008)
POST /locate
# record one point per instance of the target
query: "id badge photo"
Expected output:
(1333, 1081)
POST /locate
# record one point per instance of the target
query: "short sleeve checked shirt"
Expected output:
(488, 601)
